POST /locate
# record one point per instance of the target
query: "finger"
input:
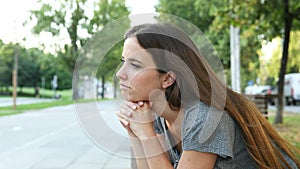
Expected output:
(122, 119)
(124, 122)
(140, 103)
(121, 116)
(132, 105)
(126, 110)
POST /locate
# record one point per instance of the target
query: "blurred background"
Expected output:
(43, 38)
(257, 42)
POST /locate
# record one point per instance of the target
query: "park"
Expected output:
(44, 89)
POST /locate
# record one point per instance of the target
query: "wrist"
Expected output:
(147, 133)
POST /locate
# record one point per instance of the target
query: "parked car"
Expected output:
(252, 90)
(292, 88)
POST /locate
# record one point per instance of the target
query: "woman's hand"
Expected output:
(126, 111)
(137, 118)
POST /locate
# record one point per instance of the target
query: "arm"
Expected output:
(138, 152)
(197, 160)
(157, 158)
(150, 146)
(135, 144)
(145, 143)
(155, 154)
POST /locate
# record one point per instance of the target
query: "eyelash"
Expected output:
(122, 61)
(132, 64)
(135, 65)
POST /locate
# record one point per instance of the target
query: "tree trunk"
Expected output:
(287, 29)
(115, 88)
(75, 82)
(103, 86)
(72, 30)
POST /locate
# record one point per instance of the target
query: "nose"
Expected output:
(121, 73)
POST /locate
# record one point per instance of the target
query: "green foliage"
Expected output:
(71, 15)
(294, 53)
(6, 64)
(293, 65)
(33, 65)
(213, 18)
(197, 12)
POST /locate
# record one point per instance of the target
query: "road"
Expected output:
(290, 109)
(81, 136)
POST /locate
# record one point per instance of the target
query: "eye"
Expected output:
(122, 60)
(135, 65)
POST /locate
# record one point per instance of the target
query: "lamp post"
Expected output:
(15, 78)
(234, 53)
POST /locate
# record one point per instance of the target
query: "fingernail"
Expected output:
(124, 122)
(140, 103)
(134, 107)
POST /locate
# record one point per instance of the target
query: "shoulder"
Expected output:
(202, 116)
(207, 129)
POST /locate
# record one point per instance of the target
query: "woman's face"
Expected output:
(138, 74)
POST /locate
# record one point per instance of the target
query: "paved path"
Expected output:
(53, 138)
(22, 100)
(290, 109)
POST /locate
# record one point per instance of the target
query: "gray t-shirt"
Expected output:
(206, 129)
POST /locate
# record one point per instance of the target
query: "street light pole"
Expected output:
(15, 78)
(234, 52)
(235, 58)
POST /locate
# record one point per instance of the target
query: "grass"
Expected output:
(290, 129)
(44, 93)
(66, 98)
(8, 110)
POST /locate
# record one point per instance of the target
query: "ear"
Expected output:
(168, 79)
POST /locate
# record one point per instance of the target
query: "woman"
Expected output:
(178, 114)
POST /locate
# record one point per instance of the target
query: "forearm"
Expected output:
(155, 155)
(139, 155)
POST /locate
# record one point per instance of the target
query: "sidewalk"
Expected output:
(22, 100)
(56, 138)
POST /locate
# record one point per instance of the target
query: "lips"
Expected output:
(124, 87)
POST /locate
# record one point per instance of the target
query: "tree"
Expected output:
(266, 19)
(272, 19)
(211, 19)
(28, 65)
(6, 65)
(293, 65)
(106, 13)
(70, 15)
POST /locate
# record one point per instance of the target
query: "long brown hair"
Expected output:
(263, 142)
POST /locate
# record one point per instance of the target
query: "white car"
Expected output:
(292, 88)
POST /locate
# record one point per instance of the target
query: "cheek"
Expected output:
(143, 84)
(147, 79)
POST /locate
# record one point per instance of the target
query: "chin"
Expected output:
(133, 98)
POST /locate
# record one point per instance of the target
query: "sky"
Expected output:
(13, 13)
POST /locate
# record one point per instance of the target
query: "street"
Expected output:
(290, 109)
(78, 136)
(58, 138)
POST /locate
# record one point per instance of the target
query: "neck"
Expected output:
(174, 121)
(172, 116)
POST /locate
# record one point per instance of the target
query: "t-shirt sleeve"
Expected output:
(206, 129)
